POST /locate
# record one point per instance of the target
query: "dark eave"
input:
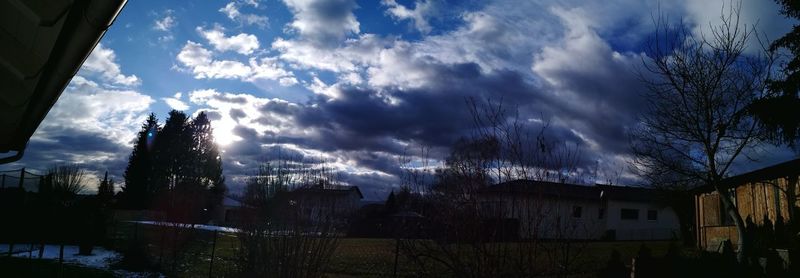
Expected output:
(43, 43)
(572, 191)
(781, 170)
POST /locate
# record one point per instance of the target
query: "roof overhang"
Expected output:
(781, 170)
(44, 43)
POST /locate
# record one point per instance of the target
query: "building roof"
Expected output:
(788, 168)
(549, 189)
(573, 191)
(340, 190)
(44, 43)
(232, 201)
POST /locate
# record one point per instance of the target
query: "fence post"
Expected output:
(41, 249)
(21, 177)
(396, 254)
(174, 245)
(213, 247)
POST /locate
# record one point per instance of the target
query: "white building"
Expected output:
(559, 210)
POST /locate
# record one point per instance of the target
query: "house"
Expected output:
(763, 196)
(229, 213)
(324, 204)
(559, 211)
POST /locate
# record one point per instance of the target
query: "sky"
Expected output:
(362, 84)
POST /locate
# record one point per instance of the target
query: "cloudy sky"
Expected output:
(358, 83)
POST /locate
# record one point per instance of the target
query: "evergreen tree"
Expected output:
(137, 192)
(173, 152)
(207, 162)
(777, 111)
(390, 207)
(183, 170)
(106, 189)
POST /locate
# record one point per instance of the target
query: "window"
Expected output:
(577, 211)
(629, 214)
(601, 212)
(652, 215)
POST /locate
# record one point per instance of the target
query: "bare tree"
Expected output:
(475, 234)
(67, 179)
(696, 122)
(279, 236)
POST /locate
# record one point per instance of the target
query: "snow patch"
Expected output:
(191, 226)
(100, 258)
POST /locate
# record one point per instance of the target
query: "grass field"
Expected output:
(354, 257)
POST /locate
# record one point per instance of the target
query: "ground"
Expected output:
(362, 257)
(19, 267)
(354, 257)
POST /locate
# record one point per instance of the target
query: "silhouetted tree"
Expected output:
(179, 162)
(696, 121)
(207, 170)
(105, 191)
(278, 237)
(466, 224)
(138, 191)
(778, 111)
(173, 152)
(65, 181)
(391, 204)
(188, 168)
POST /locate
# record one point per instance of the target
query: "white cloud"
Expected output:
(353, 55)
(166, 38)
(86, 106)
(175, 102)
(193, 55)
(242, 43)
(251, 113)
(496, 38)
(166, 23)
(102, 61)
(399, 59)
(270, 68)
(200, 62)
(323, 22)
(419, 15)
(232, 11)
(223, 69)
(761, 15)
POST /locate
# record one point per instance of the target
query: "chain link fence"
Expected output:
(181, 250)
(20, 178)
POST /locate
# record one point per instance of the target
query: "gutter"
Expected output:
(86, 23)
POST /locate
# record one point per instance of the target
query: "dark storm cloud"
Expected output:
(213, 115)
(237, 114)
(363, 125)
(383, 162)
(435, 116)
(92, 151)
(373, 186)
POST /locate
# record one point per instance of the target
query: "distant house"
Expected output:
(320, 205)
(230, 212)
(558, 210)
(764, 196)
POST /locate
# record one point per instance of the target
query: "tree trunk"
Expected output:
(744, 239)
(791, 196)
